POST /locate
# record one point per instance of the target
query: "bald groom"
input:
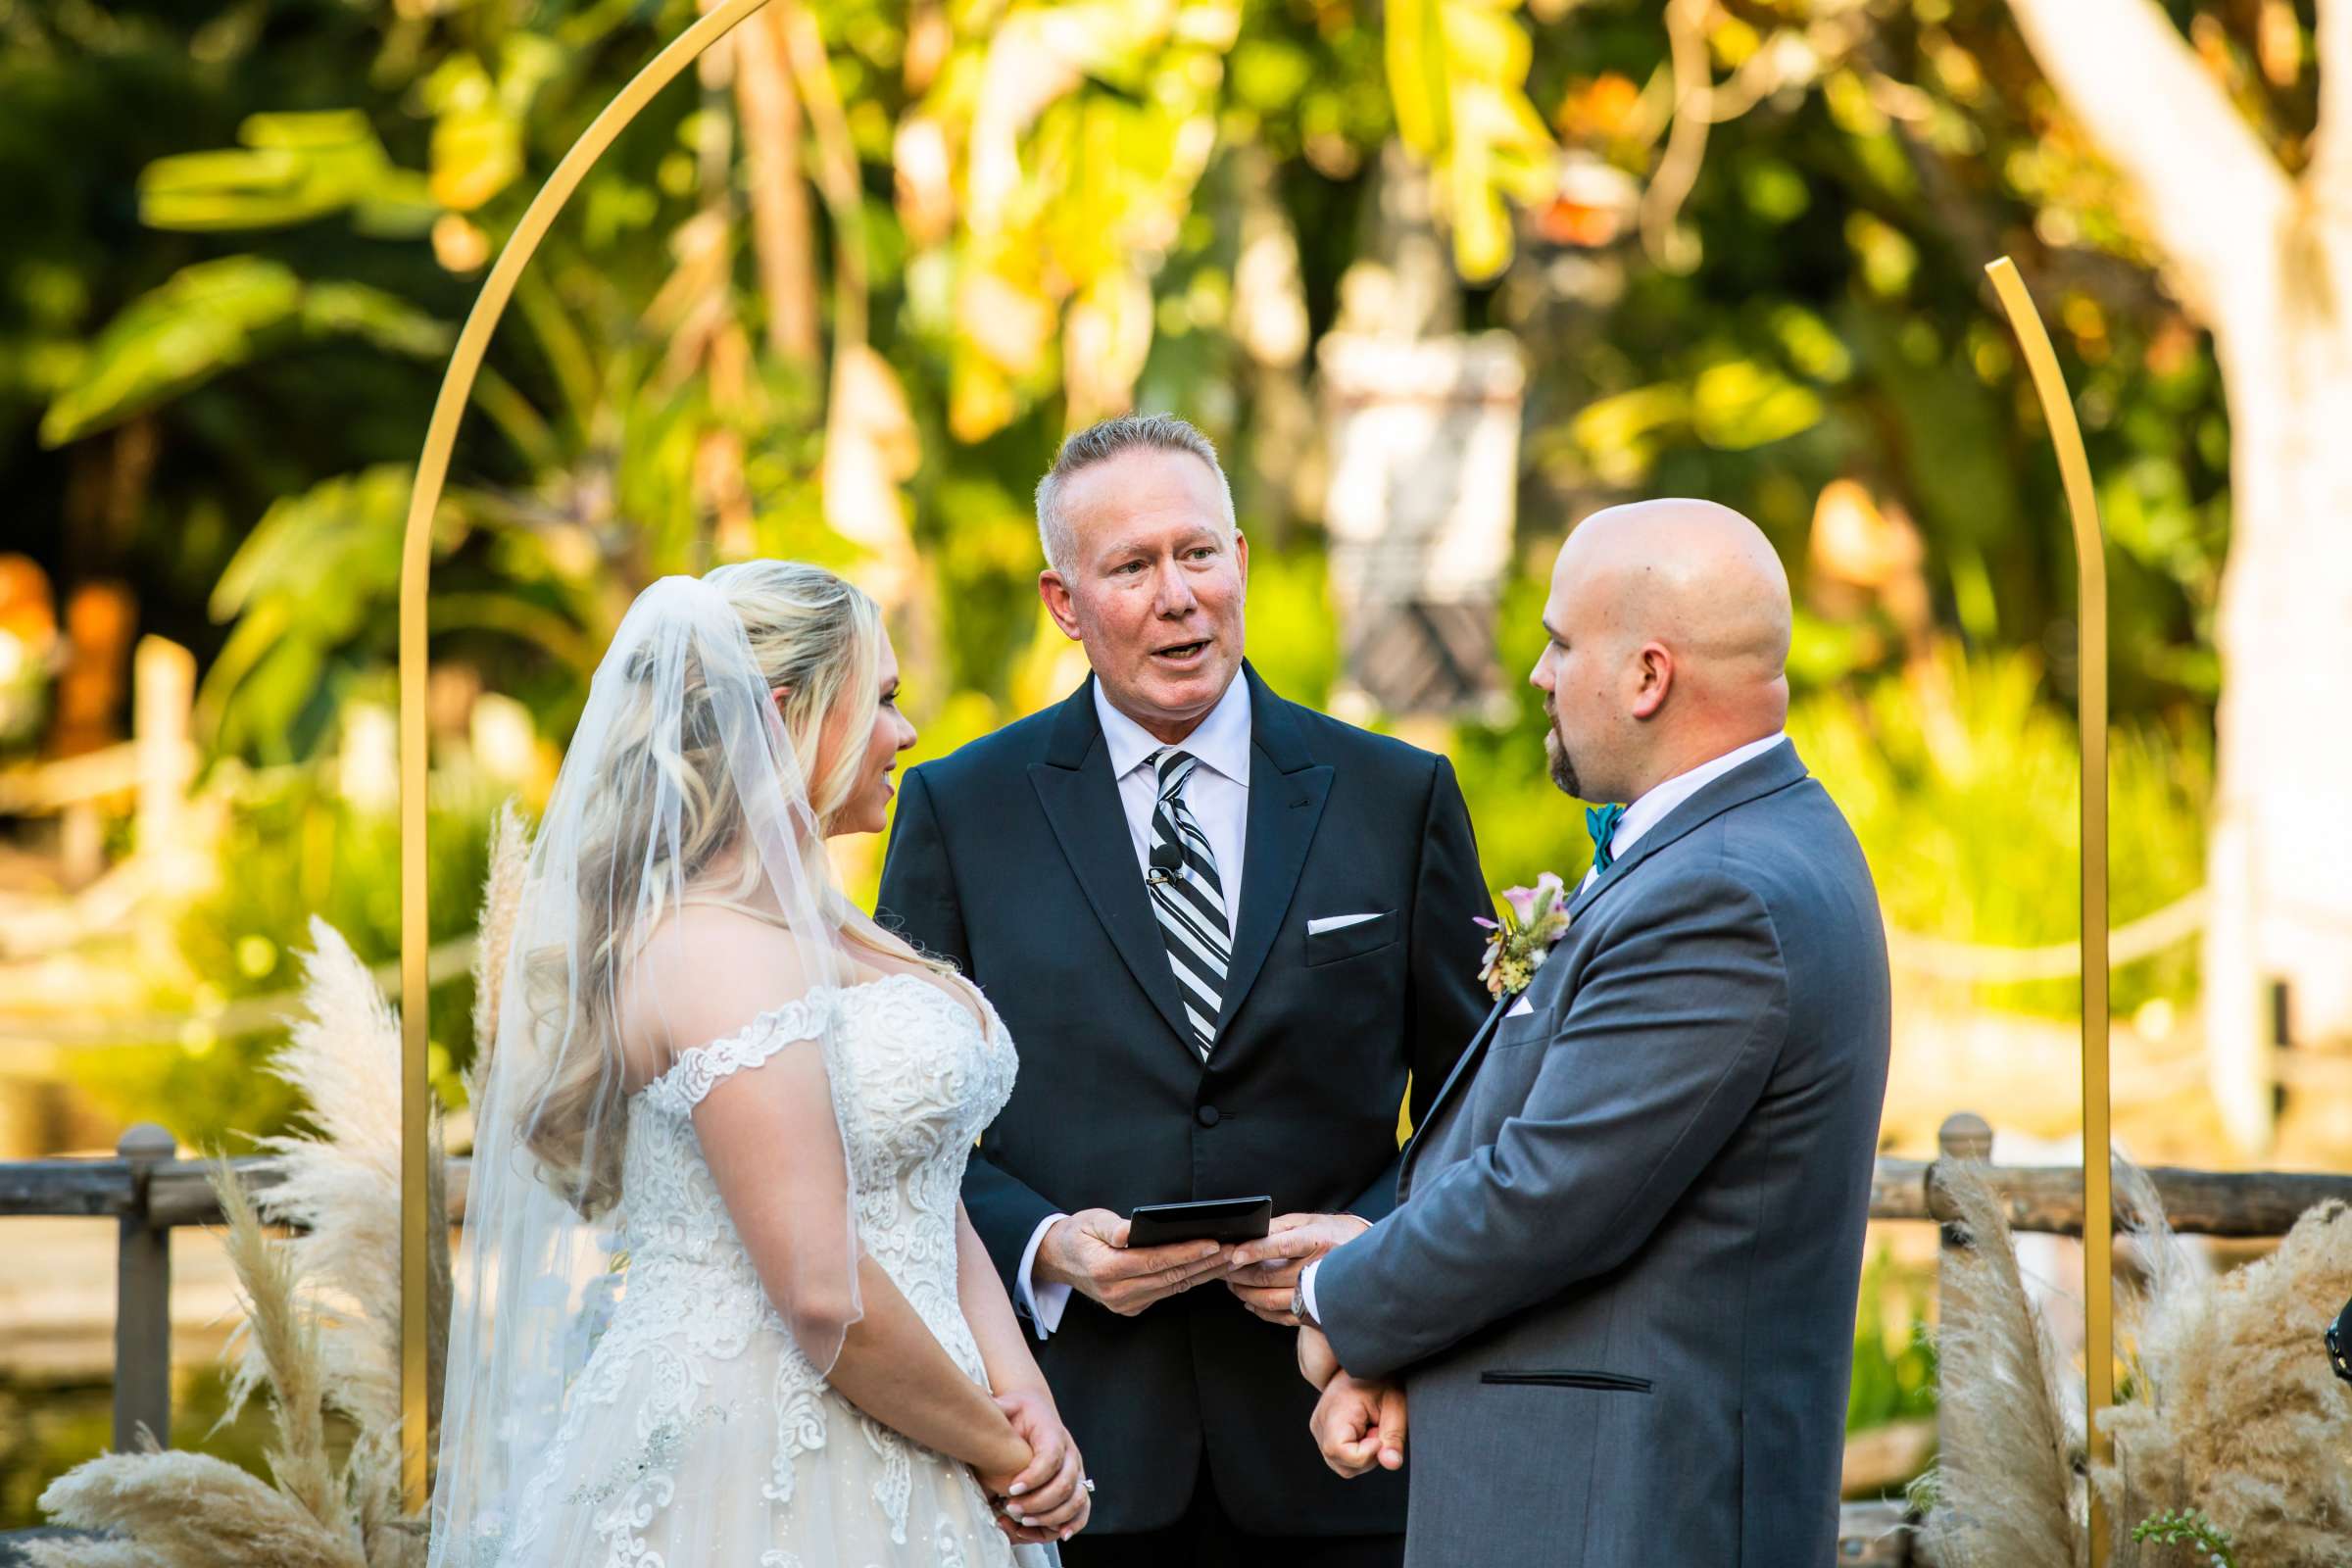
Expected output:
(1612, 1316)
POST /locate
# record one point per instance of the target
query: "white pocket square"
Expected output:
(1521, 1009)
(1340, 922)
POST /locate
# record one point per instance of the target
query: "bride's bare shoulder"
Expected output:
(703, 972)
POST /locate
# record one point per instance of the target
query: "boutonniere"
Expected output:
(1533, 919)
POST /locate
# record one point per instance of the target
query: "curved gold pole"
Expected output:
(415, 567)
(2090, 642)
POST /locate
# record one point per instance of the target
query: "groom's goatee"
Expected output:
(1563, 770)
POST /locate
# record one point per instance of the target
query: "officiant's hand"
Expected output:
(1264, 1271)
(1089, 1252)
(1360, 1424)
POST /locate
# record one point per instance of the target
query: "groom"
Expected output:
(1222, 930)
(1616, 1302)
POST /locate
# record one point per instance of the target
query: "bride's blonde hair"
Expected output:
(817, 642)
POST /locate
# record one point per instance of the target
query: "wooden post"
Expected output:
(1964, 1135)
(163, 693)
(143, 1299)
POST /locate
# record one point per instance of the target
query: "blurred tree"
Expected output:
(2251, 212)
(1043, 234)
(1818, 185)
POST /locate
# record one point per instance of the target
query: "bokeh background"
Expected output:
(1439, 277)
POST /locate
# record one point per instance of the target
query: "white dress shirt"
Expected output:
(1638, 818)
(1651, 809)
(1219, 794)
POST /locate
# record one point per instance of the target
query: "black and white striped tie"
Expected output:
(1190, 900)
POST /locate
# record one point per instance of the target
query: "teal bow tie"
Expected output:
(1601, 822)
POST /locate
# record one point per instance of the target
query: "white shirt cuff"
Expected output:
(1042, 1304)
(1306, 1287)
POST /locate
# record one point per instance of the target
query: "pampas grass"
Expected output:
(2004, 1493)
(502, 908)
(2231, 1416)
(185, 1510)
(2236, 1413)
(339, 1189)
(321, 1332)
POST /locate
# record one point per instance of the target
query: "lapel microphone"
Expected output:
(1167, 860)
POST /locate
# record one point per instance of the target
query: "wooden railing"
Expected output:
(148, 1191)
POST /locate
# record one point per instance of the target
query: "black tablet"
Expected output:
(1228, 1221)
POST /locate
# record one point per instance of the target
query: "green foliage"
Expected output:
(211, 318)
(293, 847)
(1894, 1361)
(2188, 1527)
(1962, 782)
(47, 1428)
(1456, 74)
(293, 168)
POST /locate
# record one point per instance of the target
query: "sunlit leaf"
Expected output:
(477, 152)
(1457, 78)
(1741, 403)
(329, 546)
(386, 321)
(293, 169)
(204, 320)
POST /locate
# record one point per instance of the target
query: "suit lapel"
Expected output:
(1760, 776)
(1081, 802)
(1287, 791)
(1464, 1065)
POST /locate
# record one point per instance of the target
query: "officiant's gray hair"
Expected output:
(1102, 441)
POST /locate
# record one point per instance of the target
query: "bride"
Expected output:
(718, 1303)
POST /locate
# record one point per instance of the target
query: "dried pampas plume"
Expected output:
(174, 1509)
(2236, 1412)
(502, 908)
(2003, 1494)
(321, 1332)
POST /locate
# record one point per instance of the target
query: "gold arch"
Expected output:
(432, 473)
(2091, 646)
(415, 569)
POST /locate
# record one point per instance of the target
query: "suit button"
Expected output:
(1207, 1116)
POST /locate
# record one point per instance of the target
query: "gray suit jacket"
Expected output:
(1620, 1285)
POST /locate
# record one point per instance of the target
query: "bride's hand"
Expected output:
(1047, 1500)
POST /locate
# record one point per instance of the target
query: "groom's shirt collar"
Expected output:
(1221, 742)
(1653, 808)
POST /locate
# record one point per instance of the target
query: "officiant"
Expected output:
(1224, 932)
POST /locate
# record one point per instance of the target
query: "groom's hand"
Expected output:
(1264, 1270)
(1089, 1252)
(1360, 1424)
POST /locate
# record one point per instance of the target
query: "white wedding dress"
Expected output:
(696, 1433)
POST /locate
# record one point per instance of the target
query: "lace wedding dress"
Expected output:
(697, 1435)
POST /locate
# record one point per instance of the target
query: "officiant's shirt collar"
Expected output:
(1222, 742)
(1651, 809)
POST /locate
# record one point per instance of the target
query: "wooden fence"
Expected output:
(148, 1193)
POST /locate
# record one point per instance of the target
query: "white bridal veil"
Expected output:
(680, 790)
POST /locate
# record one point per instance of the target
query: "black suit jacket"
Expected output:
(1012, 857)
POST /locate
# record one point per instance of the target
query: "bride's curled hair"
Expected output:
(665, 824)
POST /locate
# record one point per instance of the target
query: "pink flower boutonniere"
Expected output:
(1533, 919)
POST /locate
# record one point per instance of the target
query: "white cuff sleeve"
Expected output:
(1042, 1304)
(1306, 1287)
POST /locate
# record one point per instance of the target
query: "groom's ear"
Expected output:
(1057, 595)
(1653, 678)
